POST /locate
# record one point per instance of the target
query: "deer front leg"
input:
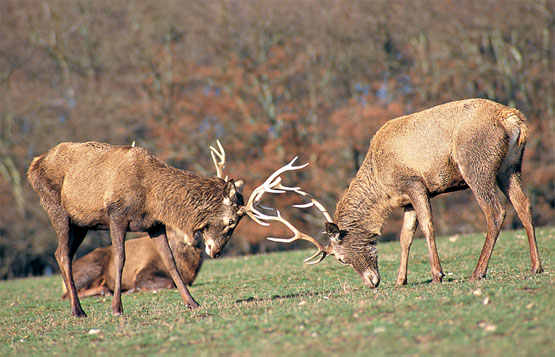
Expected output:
(158, 235)
(117, 232)
(407, 234)
(421, 203)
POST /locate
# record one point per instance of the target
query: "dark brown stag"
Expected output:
(474, 143)
(97, 186)
(94, 273)
(144, 269)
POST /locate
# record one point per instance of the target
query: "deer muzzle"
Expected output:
(211, 249)
(371, 278)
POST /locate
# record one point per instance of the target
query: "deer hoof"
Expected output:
(401, 282)
(192, 306)
(538, 269)
(437, 277)
(79, 313)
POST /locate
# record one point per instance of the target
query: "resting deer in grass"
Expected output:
(475, 143)
(144, 269)
(97, 186)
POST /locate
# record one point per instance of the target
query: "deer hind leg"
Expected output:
(158, 235)
(407, 234)
(68, 242)
(117, 232)
(51, 202)
(484, 188)
(76, 236)
(421, 203)
(512, 188)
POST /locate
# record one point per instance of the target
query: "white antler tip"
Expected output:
(305, 205)
(280, 240)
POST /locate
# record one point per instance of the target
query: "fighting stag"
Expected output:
(474, 143)
(97, 186)
(144, 269)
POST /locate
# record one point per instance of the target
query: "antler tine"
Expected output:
(221, 156)
(273, 181)
(313, 201)
(296, 236)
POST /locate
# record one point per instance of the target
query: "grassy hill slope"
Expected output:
(272, 304)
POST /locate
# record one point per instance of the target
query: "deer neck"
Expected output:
(182, 199)
(363, 208)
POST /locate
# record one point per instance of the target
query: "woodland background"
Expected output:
(270, 79)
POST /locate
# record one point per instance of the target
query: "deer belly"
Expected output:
(85, 213)
(444, 178)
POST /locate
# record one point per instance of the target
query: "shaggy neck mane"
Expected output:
(184, 200)
(363, 208)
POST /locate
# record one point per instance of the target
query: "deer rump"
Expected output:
(94, 273)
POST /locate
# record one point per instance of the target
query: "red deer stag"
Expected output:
(97, 186)
(474, 143)
(144, 268)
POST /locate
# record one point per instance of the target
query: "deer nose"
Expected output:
(210, 249)
(371, 279)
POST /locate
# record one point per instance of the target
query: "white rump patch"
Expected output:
(515, 132)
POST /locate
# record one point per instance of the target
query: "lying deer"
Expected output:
(94, 273)
(97, 186)
(475, 143)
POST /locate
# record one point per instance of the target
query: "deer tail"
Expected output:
(515, 125)
(34, 169)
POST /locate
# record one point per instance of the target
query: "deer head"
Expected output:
(347, 247)
(219, 227)
(355, 249)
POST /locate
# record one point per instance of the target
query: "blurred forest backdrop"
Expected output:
(271, 79)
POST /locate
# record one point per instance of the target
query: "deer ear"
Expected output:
(230, 193)
(334, 232)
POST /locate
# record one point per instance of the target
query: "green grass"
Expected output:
(273, 305)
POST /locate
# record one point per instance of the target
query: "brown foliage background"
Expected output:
(271, 79)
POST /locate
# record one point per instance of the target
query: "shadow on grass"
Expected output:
(283, 297)
(430, 282)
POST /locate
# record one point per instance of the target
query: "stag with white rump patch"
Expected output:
(97, 186)
(474, 143)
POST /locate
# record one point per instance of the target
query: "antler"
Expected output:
(273, 185)
(221, 155)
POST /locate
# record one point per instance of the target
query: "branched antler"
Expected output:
(221, 156)
(273, 185)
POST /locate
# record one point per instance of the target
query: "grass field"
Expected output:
(273, 305)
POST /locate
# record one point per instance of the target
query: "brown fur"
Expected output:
(144, 269)
(472, 143)
(97, 186)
